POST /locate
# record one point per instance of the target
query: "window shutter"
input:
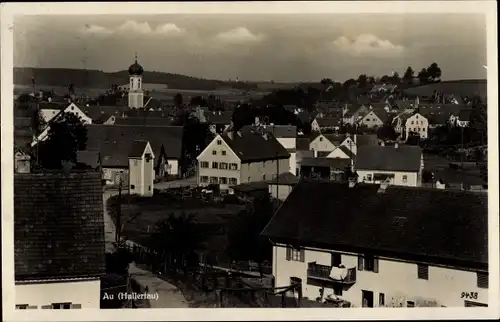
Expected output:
(375, 264)
(31, 307)
(46, 306)
(76, 306)
(302, 255)
(288, 253)
(360, 262)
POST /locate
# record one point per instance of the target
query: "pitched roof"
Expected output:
(335, 163)
(381, 113)
(388, 158)
(223, 117)
(366, 140)
(113, 141)
(312, 217)
(346, 150)
(137, 149)
(59, 225)
(250, 145)
(302, 143)
(89, 157)
(148, 121)
(285, 178)
(335, 139)
(329, 120)
(282, 131)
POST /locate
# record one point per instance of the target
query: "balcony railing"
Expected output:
(323, 272)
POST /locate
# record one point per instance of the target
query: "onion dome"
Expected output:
(135, 69)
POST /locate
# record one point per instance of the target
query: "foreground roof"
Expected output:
(389, 158)
(58, 226)
(432, 224)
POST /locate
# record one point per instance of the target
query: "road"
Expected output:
(169, 296)
(109, 225)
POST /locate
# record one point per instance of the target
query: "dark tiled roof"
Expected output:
(89, 157)
(361, 219)
(59, 225)
(381, 114)
(251, 146)
(282, 131)
(388, 158)
(137, 149)
(224, 117)
(346, 150)
(285, 178)
(366, 140)
(302, 143)
(149, 121)
(335, 163)
(113, 141)
(328, 121)
(335, 139)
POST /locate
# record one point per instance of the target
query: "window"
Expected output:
(219, 142)
(223, 180)
(249, 179)
(423, 271)
(214, 152)
(263, 164)
(203, 164)
(295, 254)
(381, 299)
(482, 279)
(203, 179)
(367, 120)
(233, 181)
(223, 152)
(369, 177)
(233, 166)
(132, 187)
(337, 289)
(148, 157)
(320, 139)
(368, 263)
(215, 165)
(263, 177)
(405, 178)
(214, 180)
(412, 122)
(149, 188)
(21, 306)
(223, 165)
(410, 304)
(61, 306)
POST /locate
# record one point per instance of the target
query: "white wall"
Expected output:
(338, 153)
(417, 124)
(280, 192)
(321, 143)
(263, 170)
(87, 293)
(371, 120)
(412, 177)
(290, 144)
(174, 166)
(396, 279)
(47, 114)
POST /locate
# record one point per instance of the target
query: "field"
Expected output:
(461, 88)
(440, 167)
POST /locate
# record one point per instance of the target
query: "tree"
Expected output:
(362, 81)
(423, 77)
(326, 81)
(66, 136)
(408, 75)
(178, 100)
(434, 73)
(478, 120)
(386, 132)
(385, 79)
(395, 79)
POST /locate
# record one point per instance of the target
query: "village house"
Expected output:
(401, 259)
(463, 117)
(408, 123)
(287, 136)
(141, 169)
(352, 113)
(218, 121)
(324, 144)
(113, 143)
(281, 186)
(59, 233)
(235, 157)
(400, 165)
(54, 115)
(326, 123)
(375, 118)
(323, 168)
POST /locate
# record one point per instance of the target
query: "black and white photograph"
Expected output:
(232, 155)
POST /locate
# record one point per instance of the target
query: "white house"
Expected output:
(235, 157)
(141, 169)
(287, 136)
(353, 113)
(67, 276)
(401, 165)
(417, 124)
(374, 118)
(411, 264)
(51, 115)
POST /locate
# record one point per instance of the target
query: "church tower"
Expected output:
(135, 93)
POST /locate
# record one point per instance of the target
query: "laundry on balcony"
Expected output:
(338, 273)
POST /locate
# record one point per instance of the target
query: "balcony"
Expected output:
(322, 273)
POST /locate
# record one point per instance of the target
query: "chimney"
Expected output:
(396, 145)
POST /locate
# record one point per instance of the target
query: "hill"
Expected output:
(468, 87)
(98, 79)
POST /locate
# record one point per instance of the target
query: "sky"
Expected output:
(255, 47)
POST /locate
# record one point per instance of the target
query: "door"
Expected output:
(336, 259)
(367, 298)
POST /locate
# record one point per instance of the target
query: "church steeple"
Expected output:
(135, 93)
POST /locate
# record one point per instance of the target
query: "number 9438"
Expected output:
(469, 295)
